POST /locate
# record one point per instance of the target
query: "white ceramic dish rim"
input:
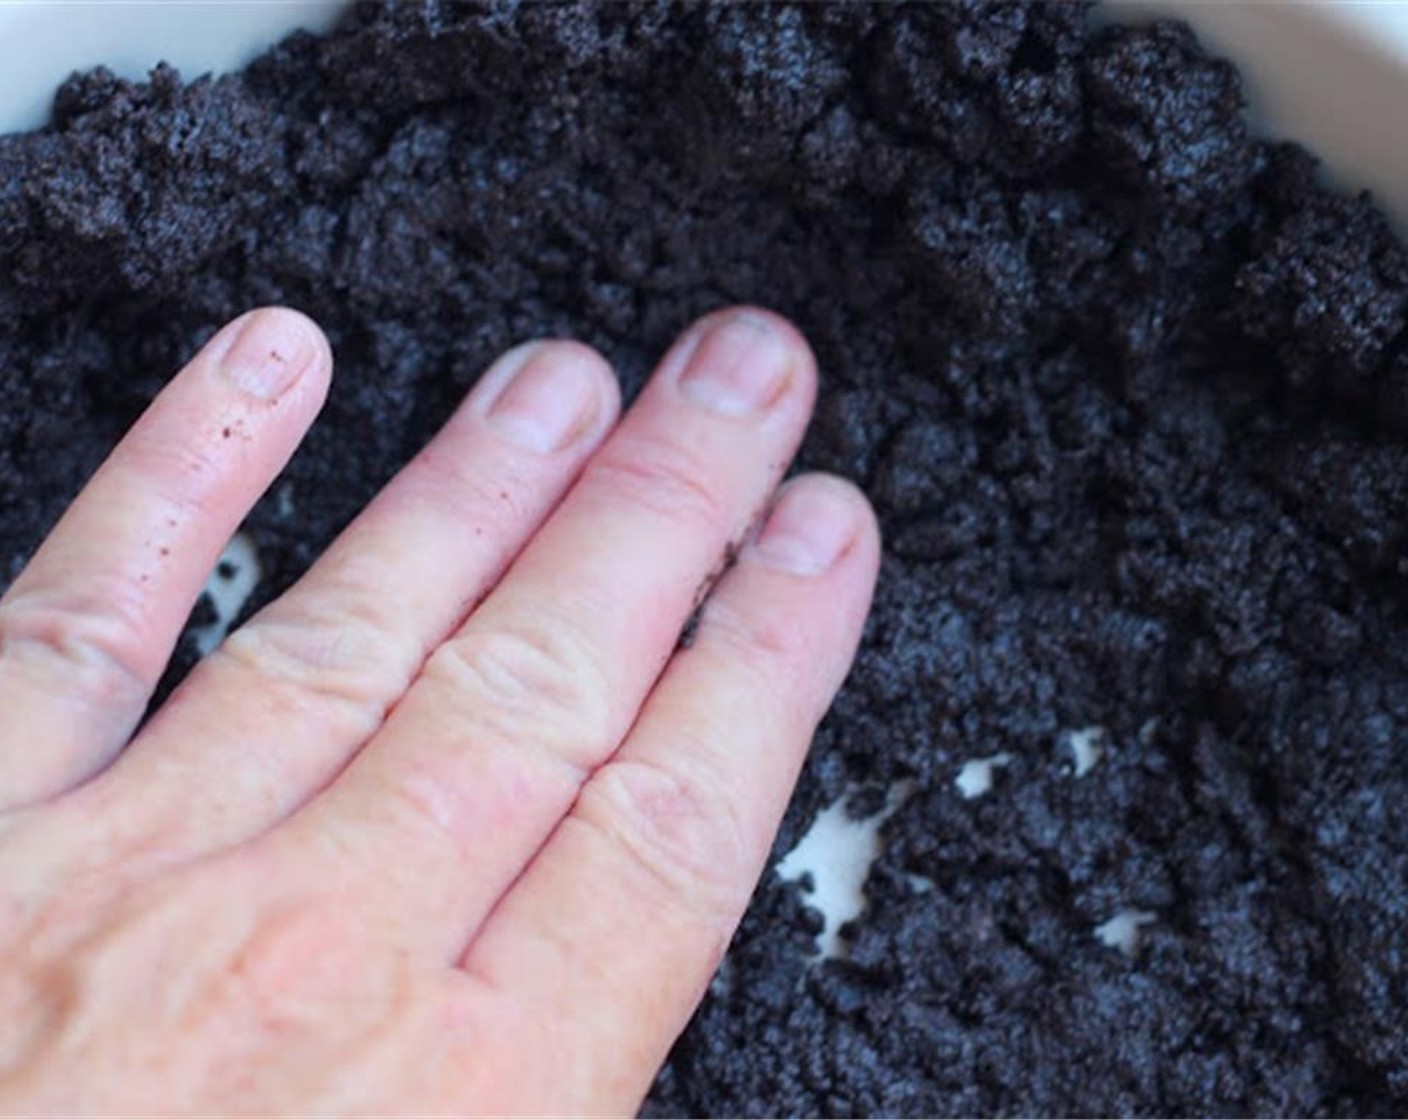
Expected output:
(1331, 73)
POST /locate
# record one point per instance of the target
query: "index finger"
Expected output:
(89, 625)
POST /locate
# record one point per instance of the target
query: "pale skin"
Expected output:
(454, 825)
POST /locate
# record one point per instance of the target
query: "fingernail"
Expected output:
(808, 530)
(550, 401)
(740, 366)
(271, 352)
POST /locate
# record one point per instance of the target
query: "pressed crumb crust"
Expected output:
(1128, 390)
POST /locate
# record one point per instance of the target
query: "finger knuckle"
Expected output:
(85, 954)
(97, 635)
(297, 961)
(350, 662)
(767, 640)
(785, 668)
(529, 679)
(679, 830)
(662, 476)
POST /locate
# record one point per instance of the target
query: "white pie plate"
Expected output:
(1333, 75)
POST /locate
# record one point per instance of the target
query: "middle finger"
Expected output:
(444, 808)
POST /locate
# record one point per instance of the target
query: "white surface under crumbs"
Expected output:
(975, 776)
(230, 585)
(1122, 931)
(837, 851)
(1087, 748)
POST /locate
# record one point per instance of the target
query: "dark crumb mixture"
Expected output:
(1128, 388)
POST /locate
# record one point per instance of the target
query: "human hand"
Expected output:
(453, 825)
